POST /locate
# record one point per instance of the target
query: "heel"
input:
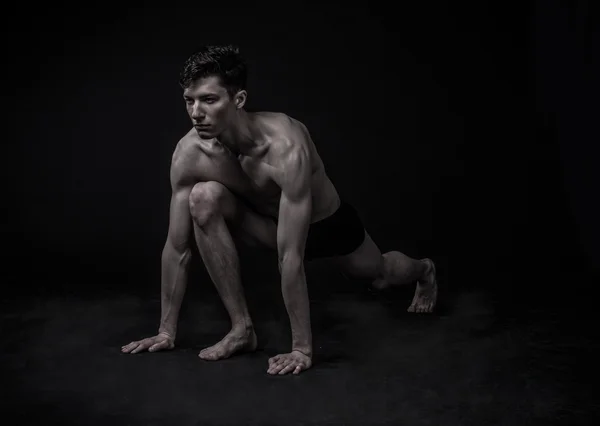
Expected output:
(429, 277)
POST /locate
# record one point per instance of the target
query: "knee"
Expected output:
(206, 200)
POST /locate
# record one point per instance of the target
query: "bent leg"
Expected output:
(392, 269)
(215, 210)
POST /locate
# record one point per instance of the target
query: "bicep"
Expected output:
(295, 209)
(294, 220)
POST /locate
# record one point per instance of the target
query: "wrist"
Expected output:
(304, 349)
(167, 333)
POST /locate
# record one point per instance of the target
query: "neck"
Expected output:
(239, 137)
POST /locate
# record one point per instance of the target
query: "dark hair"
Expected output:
(224, 61)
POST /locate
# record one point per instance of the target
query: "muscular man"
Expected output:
(257, 178)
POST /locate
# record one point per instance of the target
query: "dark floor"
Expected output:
(469, 364)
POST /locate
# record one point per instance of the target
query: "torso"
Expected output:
(254, 177)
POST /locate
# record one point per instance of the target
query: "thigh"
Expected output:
(245, 223)
(364, 262)
(253, 228)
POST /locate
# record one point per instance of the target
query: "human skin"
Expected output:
(257, 178)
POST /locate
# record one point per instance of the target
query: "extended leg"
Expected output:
(213, 207)
(393, 269)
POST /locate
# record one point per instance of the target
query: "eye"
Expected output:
(189, 101)
(210, 100)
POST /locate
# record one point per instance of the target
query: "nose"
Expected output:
(197, 113)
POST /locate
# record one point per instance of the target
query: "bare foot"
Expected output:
(235, 341)
(426, 293)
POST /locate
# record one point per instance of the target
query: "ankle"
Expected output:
(426, 269)
(244, 326)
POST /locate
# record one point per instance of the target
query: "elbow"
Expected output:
(290, 261)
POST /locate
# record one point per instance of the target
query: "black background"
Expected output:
(461, 132)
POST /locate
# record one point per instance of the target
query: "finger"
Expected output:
(276, 364)
(275, 360)
(286, 369)
(285, 366)
(272, 368)
(298, 369)
(141, 347)
(276, 368)
(157, 347)
(130, 347)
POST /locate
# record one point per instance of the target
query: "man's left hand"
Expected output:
(293, 362)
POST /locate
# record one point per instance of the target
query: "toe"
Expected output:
(217, 354)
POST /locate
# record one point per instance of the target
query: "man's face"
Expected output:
(209, 106)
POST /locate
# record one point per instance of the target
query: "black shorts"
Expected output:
(336, 235)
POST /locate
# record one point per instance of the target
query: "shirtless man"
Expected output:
(257, 178)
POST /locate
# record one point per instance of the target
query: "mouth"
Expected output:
(201, 126)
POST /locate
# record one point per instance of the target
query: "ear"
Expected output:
(240, 99)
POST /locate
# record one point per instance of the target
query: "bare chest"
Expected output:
(261, 176)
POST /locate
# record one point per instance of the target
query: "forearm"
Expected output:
(295, 297)
(174, 271)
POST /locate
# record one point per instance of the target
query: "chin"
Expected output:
(205, 134)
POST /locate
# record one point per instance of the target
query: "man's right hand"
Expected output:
(161, 341)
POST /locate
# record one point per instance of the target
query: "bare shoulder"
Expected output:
(284, 125)
(184, 159)
(184, 146)
(287, 134)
